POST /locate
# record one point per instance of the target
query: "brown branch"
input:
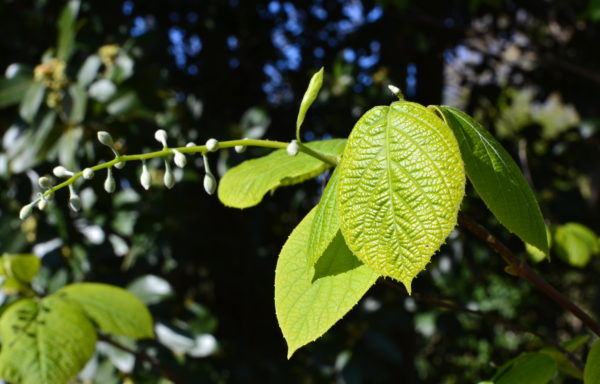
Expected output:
(520, 268)
(164, 371)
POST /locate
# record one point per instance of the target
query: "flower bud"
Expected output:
(210, 184)
(120, 165)
(190, 144)
(240, 148)
(180, 159)
(25, 211)
(212, 145)
(42, 204)
(74, 199)
(109, 183)
(61, 171)
(45, 182)
(146, 177)
(106, 139)
(88, 173)
(161, 136)
(292, 148)
(169, 178)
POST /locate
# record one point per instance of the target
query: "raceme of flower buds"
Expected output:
(61, 171)
(161, 136)
(292, 148)
(25, 211)
(45, 182)
(146, 177)
(109, 184)
(210, 184)
(106, 139)
(180, 159)
(169, 178)
(88, 173)
(212, 145)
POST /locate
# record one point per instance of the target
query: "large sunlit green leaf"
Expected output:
(497, 179)
(530, 368)
(311, 299)
(13, 89)
(309, 97)
(575, 244)
(112, 309)
(245, 185)
(326, 223)
(401, 183)
(47, 341)
(591, 373)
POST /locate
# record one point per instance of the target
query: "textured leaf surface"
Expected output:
(326, 223)
(591, 373)
(245, 185)
(311, 299)
(309, 97)
(401, 183)
(44, 342)
(497, 179)
(112, 309)
(575, 244)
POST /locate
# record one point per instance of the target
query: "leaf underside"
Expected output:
(401, 183)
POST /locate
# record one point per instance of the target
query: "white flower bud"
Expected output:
(45, 182)
(109, 184)
(120, 165)
(161, 136)
(212, 145)
(180, 159)
(240, 148)
(292, 148)
(42, 204)
(190, 144)
(88, 173)
(210, 184)
(169, 178)
(25, 211)
(146, 177)
(106, 139)
(395, 90)
(74, 199)
(61, 171)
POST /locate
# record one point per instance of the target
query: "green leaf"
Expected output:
(401, 183)
(31, 102)
(44, 342)
(311, 299)
(326, 223)
(530, 368)
(562, 361)
(151, 289)
(112, 309)
(123, 104)
(89, 70)
(309, 97)
(591, 373)
(13, 89)
(497, 179)
(66, 30)
(23, 267)
(535, 254)
(575, 244)
(245, 185)
(75, 103)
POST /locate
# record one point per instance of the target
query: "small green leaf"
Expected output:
(66, 30)
(13, 89)
(31, 102)
(112, 309)
(326, 223)
(123, 104)
(44, 342)
(89, 70)
(311, 299)
(401, 183)
(245, 185)
(22, 267)
(77, 103)
(530, 368)
(497, 179)
(309, 97)
(591, 373)
(575, 244)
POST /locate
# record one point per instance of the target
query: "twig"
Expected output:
(143, 356)
(520, 268)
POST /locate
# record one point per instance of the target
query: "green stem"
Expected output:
(331, 160)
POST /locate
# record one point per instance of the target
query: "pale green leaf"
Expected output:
(401, 183)
(311, 299)
(13, 89)
(497, 179)
(535, 254)
(89, 70)
(66, 30)
(44, 342)
(575, 244)
(530, 368)
(309, 97)
(22, 267)
(112, 309)
(245, 185)
(77, 103)
(326, 223)
(591, 373)
(31, 102)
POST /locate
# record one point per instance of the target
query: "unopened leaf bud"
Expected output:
(106, 139)
(212, 145)
(210, 184)
(109, 184)
(292, 148)
(25, 211)
(169, 178)
(45, 182)
(161, 136)
(180, 159)
(88, 173)
(61, 171)
(146, 177)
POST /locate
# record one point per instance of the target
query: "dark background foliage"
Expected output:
(204, 69)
